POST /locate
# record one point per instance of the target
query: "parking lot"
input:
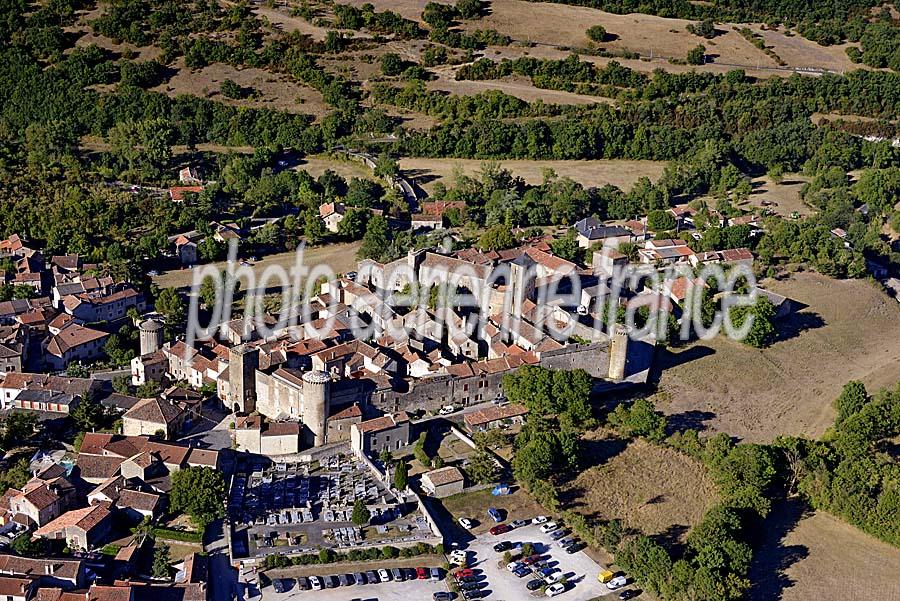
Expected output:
(411, 590)
(580, 570)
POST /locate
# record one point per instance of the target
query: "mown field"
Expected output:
(849, 330)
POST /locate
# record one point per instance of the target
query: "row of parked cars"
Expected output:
(317, 583)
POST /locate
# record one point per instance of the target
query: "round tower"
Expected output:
(316, 398)
(151, 332)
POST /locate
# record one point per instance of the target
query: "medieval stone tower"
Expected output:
(151, 333)
(243, 361)
(618, 354)
(316, 399)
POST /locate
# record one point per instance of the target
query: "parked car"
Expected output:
(384, 575)
(315, 583)
(447, 410)
(343, 580)
(617, 582)
(531, 559)
(303, 583)
(421, 573)
(522, 572)
(503, 546)
(494, 514)
(466, 523)
(467, 579)
(435, 574)
(331, 582)
(549, 527)
(557, 534)
(565, 542)
(553, 577)
(372, 577)
(629, 594)
(500, 529)
(281, 585)
(463, 573)
(535, 584)
(541, 519)
(575, 547)
(519, 523)
(360, 578)
(398, 575)
(513, 566)
(469, 586)
(555, 589)
(442, 596)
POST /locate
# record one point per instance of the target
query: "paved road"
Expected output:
(411, 590)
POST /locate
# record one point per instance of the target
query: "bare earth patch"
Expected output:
(849, 330)
(656, 490)
(274, 90)
(520, 87)
(797, 51)
(815, 556)
(427, 172)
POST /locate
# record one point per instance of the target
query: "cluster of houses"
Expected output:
(60, 320)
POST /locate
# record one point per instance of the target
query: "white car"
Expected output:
(384, 575)
(515, 565)
(458, 557)
(555, 589)
(549, 527)
(466, 523)
(617, 582)
(447, 410)
(553, 578)
(315, 583)
(541, 519)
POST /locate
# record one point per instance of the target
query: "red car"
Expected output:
(500, 529)
(531, 559)
(421, 573)
(464, 573)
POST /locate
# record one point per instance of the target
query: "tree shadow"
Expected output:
(796, 323)
(688, 420)
(598, 452)
(768, 572)
(673, 538)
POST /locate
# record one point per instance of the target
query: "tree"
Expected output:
(353, 225)
(762, 332)
(314, 230)
(88, 414)
(200, 493)
(361, 514)
(77, 370)
(376, 242)
(697, 55)
(597, 33)
(641, 419)
(498, 237)
(482, 468)
(171, 306)
(392, 64)
(852, 399)
(18, 428)
(705, 29)
(162, 562)
(660, 221)
(401, 475)
(231, 90)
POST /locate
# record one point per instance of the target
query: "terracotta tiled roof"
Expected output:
(86, 519)
(14, 587)
(140, 501)
(492, 414)
(177, 192)
(154, 411)
(109, 593)
(93, 467)
(73, 336)
(26, 566)
(383, 423)
(351, 411)
(445, 475)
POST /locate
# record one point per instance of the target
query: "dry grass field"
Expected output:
(783, 198)
(797, 51)
(520, 87)
(274, 90)
(563, 25)
(623, 174)
(814, 556)
(849, 330)
(654, 489)
(518, 506)
(340, 257)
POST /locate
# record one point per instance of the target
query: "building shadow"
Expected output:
(768, 572)
(667, 358)
(797, 323)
